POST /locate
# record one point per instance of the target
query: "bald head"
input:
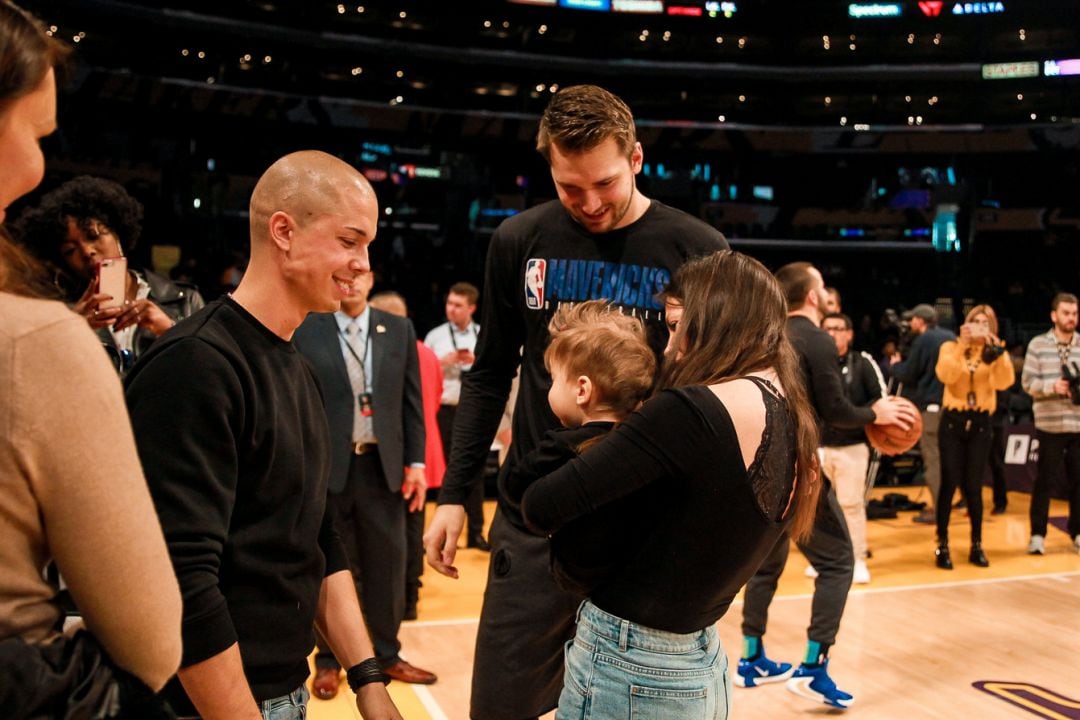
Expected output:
(306, 185)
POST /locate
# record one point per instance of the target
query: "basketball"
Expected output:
(893, 439)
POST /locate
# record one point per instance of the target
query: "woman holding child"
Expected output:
(726, 450)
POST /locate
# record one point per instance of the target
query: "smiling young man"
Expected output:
(230, 427)
(602, 239)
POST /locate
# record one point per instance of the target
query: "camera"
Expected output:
(1072, 376)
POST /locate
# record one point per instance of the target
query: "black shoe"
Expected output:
(478, 543)
(941, 557)
(998, 510)
(977, 556)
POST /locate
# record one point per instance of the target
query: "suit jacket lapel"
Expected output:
(378, 347)
(329, 329)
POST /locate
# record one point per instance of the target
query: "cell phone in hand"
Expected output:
(112, 280)
(978, 330)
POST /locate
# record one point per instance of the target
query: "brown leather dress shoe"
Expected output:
(325, 685)
(404, 672)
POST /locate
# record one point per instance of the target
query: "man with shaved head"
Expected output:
(232, 435)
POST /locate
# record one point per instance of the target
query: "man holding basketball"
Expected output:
(829, 547)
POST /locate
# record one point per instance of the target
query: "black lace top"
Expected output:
(710, 524)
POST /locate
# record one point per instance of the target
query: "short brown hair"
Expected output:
(795, 282)
(581, 117)
(594, 339)
(465, 290)
(1062, 297)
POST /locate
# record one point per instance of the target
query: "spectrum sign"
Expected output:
(874, 10)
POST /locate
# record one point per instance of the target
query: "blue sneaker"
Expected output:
(814, 683)
(752, 673)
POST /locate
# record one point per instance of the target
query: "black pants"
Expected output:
(371, 521)
(474, 506)
(414, 554)
(829, 550)
(997, 466)
(1056, 450)
(964, 440)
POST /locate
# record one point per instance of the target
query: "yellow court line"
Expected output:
(1002, 690)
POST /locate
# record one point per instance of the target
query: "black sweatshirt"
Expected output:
(585, 551)
(230, 427)
(708, 524)
(536, 261)
(824, 384)
(863, 385)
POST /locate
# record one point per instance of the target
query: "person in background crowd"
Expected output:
(431, 386)
(846, 455)
(1056, 396)
(66, 495)
(85, 221)
(601, 220)
(972, 369)
(454, 342)
(833, 303)
(921, 382)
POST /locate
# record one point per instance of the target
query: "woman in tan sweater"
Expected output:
(973, 368)
(71, 488)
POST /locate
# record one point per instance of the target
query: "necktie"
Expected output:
(362, 431)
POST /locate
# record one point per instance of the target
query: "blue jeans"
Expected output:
(287, 707)
(616, 669)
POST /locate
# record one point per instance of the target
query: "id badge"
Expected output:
(367, 408)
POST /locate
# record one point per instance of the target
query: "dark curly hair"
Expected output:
(83, 199)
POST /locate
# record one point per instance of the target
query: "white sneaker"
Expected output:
(810, 572)
(1076, 543)
(1037, 546)
(861, 576)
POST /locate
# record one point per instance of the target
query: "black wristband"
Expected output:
(366, 672)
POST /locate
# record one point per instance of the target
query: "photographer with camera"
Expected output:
(972, 368)
(1052, 377)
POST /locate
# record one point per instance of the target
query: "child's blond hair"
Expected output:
(594, 339)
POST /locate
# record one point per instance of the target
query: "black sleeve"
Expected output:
(485, 388)
(653, 443)
(188, 452)
(909, 371)
(413, 407)
(548, 456)
(830, 400)
(330, 543)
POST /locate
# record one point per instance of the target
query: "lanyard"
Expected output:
(453, 340)
(361, 360)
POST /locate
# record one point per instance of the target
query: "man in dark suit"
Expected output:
(366, 363)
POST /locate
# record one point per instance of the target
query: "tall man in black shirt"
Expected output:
(602, 239)
(230, 429)
(829, 547)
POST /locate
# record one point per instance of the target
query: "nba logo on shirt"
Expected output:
(535, 271)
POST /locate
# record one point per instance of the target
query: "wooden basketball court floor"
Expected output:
(917, 642)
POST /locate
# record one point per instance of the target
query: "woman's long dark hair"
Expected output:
(27, 53)
(733, 323)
